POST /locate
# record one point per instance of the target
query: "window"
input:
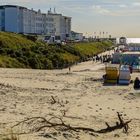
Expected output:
(50, 19)
(3, 14)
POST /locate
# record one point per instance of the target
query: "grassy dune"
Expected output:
(19, 51)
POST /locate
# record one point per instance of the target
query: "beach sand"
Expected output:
(85, 100)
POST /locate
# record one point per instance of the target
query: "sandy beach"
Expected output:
(84, 99)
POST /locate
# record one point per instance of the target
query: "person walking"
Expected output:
(69, 69)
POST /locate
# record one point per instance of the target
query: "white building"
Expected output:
(59, 25)
(22, 20)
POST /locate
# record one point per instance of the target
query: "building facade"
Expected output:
(61, 25)
(28, 21)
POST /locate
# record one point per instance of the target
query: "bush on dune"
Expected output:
(8, 62)
(20, 51)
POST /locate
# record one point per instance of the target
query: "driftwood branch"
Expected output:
(39, 123)
(119, 125)
(55, 100)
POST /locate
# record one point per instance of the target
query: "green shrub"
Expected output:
(20, 51)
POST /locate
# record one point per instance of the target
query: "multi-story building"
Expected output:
(61, 25)
(22, 20)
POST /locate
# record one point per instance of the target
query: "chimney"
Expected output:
(39, 11)
(54, 10)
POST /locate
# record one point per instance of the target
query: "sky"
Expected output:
(93, 17)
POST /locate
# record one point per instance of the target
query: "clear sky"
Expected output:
(115, 17)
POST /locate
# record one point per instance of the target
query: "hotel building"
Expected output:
(28, 21)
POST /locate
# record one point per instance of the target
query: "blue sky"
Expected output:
(117, 17)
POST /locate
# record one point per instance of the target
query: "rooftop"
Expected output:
(4, 6)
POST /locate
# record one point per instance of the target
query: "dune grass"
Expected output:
(20, 51)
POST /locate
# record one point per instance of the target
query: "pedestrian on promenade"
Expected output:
(69, 69)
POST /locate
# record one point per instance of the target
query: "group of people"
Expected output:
(102, 59)
(137, 83)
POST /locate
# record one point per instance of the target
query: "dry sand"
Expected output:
(27, 93)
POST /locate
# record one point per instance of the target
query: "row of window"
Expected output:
(50, 25)
(49, 19)
(27, 16)
(27, 27)
(39, 31)
(35, 27)
(39, 25)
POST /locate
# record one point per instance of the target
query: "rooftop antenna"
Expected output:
(54, 10)
(49, 11)
(39, 11)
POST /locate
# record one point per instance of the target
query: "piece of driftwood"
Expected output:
(37, 124)
(55, 100)
(119, 125)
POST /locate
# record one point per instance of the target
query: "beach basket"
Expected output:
(112, 73)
